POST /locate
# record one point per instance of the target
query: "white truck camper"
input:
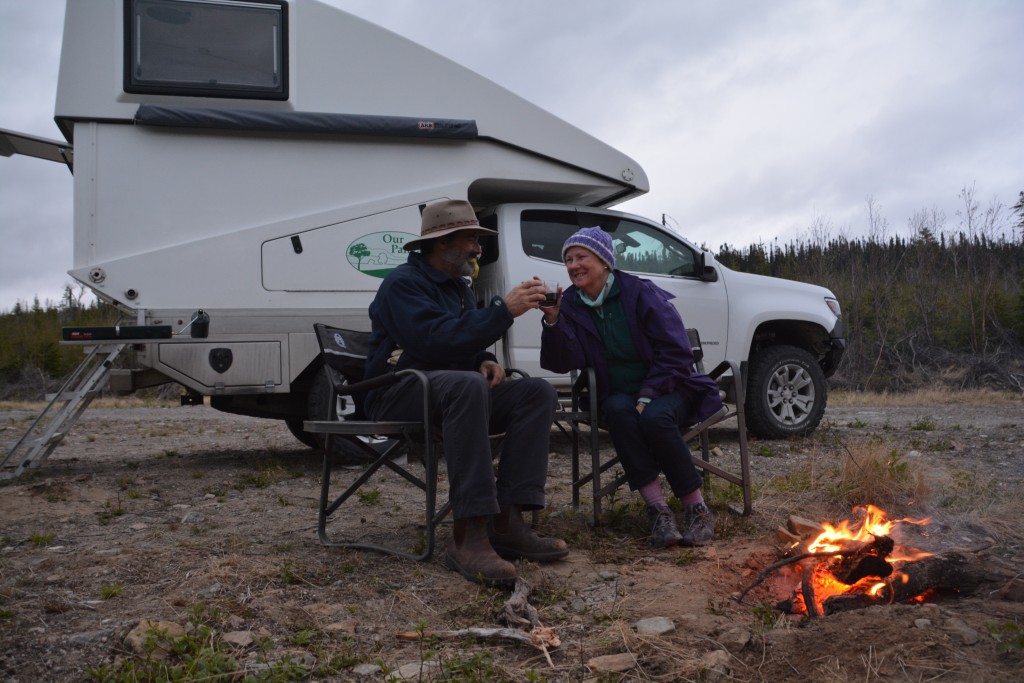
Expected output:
(245, 168)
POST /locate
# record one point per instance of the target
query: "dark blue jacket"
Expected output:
(434, 318)
(658, 334)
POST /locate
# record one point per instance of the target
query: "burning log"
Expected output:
(954, 572)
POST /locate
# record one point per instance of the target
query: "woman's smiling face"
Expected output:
(586, 270)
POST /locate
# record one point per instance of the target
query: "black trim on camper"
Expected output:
(305, 122)
(207, 48)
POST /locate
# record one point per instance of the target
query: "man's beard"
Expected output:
(456, 262)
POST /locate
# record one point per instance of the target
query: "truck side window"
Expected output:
(639, 247)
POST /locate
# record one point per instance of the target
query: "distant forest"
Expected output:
(942, 307)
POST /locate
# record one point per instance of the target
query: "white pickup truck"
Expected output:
(265, 160)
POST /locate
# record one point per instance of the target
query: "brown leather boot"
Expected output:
(513, 538)
(471, 554)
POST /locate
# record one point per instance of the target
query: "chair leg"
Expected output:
(432, 517)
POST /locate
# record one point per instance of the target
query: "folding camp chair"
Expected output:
(584, 407)
(344, 353)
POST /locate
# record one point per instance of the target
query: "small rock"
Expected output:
(922, 623)
(192, 518)
(608, 574)
(655, 626)
(88, 637)
(162, 632)
(415, 671)
(716, 666)
(366, 670)
(609, 663)
(211, 591)
(959, 628)
(347, 628)
(735, 639)
(238, 638)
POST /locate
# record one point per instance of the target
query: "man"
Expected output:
(425, 317)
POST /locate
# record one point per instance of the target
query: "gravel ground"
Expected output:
(206, 522)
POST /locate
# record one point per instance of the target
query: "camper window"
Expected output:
(207, 48)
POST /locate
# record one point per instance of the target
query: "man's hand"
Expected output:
(494, 373)
(524, 297)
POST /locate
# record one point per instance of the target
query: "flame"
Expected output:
(869, 524)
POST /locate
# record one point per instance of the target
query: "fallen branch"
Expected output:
(541, 637)
(516, 610)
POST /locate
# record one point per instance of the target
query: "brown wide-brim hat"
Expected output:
(445, 217)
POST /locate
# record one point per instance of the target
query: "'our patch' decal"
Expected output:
(378, 253)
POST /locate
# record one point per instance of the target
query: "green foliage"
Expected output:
(30, 338)
(43, 538)
(1008, 635)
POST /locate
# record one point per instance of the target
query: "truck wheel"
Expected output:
(295, 427)
(320, 406)
(785, 393)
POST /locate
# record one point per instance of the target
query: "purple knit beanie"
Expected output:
(594, 239)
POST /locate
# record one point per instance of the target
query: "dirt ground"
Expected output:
(206, 521)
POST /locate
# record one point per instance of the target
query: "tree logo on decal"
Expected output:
(378, 253)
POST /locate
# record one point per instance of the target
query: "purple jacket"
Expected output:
(658, 334)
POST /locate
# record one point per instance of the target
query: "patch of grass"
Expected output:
(765, 451)
(925, 424)
(110, 511)
(302, 637)
(766, 618)
(6, 614)
(371, 497)
(42, 538)
(964, 491)
(1008, 636)
(856, 424)
(870, 473)
(111, 591)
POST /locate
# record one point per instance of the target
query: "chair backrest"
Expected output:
(343, 350)
(698, 350)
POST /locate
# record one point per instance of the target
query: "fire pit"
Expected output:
(859, 563)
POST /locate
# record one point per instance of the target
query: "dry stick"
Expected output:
(541, 638)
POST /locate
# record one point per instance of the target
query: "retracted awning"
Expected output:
(12, 143)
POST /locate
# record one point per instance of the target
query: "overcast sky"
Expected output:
(754, 120)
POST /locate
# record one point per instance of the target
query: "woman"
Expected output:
(628, 331)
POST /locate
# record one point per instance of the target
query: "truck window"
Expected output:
(207, 48)
(639, 247)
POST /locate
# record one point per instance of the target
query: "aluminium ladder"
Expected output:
(56, 420)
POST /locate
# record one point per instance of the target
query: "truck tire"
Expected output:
(295, 427)
(785, 393)
(319, 406)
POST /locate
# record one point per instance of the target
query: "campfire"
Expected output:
(860, 563)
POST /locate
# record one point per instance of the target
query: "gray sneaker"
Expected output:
(698, 525)
(663, 527)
